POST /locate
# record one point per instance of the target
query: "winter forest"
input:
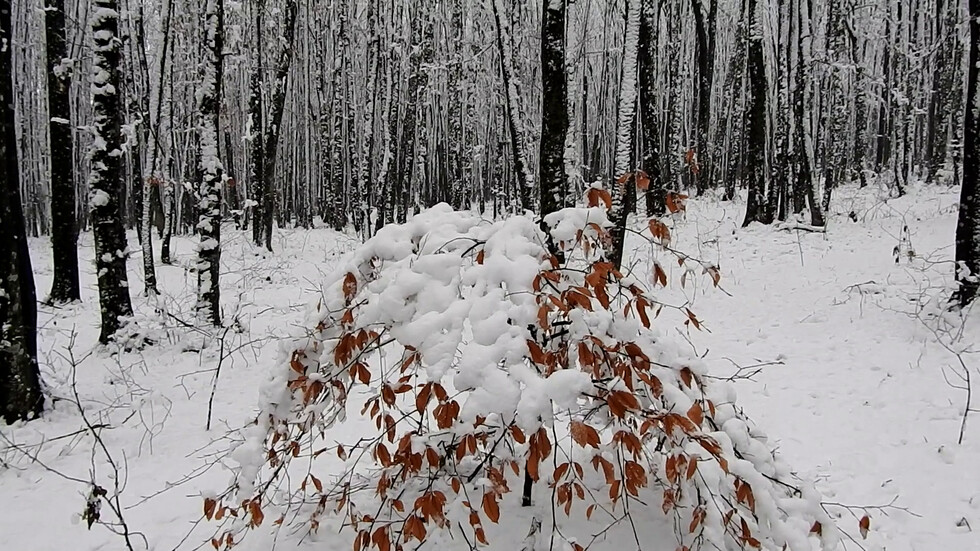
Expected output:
(531, 275)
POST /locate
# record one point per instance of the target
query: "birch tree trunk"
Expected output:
(209, 193)
(518, 132)
(624, 134)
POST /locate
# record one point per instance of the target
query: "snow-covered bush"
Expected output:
(479, 360)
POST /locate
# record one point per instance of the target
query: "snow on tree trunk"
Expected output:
(106, 175)
(20, 387)
(209, 192)
(756, 208)
(64, 232)
(140, 108)
(968, 223)
(256, 154)
(370, 91)
(515, 114)
(624, 132)
(650, 163)
(554, 115)
(271, 146)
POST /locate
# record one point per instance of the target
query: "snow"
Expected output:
(849, 380)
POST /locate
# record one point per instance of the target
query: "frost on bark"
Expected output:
(650, 164)
(624, 133)
(968, 223)
(515, 116)
(64, 233)
(209, 193)
(20, 387)
(803, 189)
(421, 50)
(271, 137)
(757, 209)
(256, 154)
(705, 56)
(140, 104)
(836, 111)
(554, 115)
(106, 176)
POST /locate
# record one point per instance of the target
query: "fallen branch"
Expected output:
(790, 226)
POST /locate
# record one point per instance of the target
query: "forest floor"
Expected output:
(833, 346)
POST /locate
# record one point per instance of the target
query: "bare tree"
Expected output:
(20, 387)
(209, 193)
(554, 113)
(64, 233)
(106, 175)
(625, 189)
(968, 223)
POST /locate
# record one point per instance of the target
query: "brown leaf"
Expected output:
(209, 505)
(865, 525)
(660, 231)
(696, 414)
(642, 180)
(692, 467)
(621, 401)
(584, 435)
(659, 275)
(422, 400)
(255, 509)
(597, 195)
(490, 507)
(350, 287)
(715, 274)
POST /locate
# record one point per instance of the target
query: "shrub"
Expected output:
(483, 362)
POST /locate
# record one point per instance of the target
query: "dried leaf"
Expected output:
(584, 435)
(490, 507)
(350, 287)
(865, 525)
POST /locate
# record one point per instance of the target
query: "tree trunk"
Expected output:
(518, 133)
(273, 129)
(624, 135)
(209, 193)
(756, 209)
(968, 223)
(106, 177)
(20, 385)
(64, 232)
(256, 155)
(554, 114)
(655, 194)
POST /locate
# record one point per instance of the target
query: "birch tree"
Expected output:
(209, 193)
(624, 189)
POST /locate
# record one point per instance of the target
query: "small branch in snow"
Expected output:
(790, 226)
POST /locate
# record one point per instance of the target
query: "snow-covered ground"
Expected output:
(842, 355)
